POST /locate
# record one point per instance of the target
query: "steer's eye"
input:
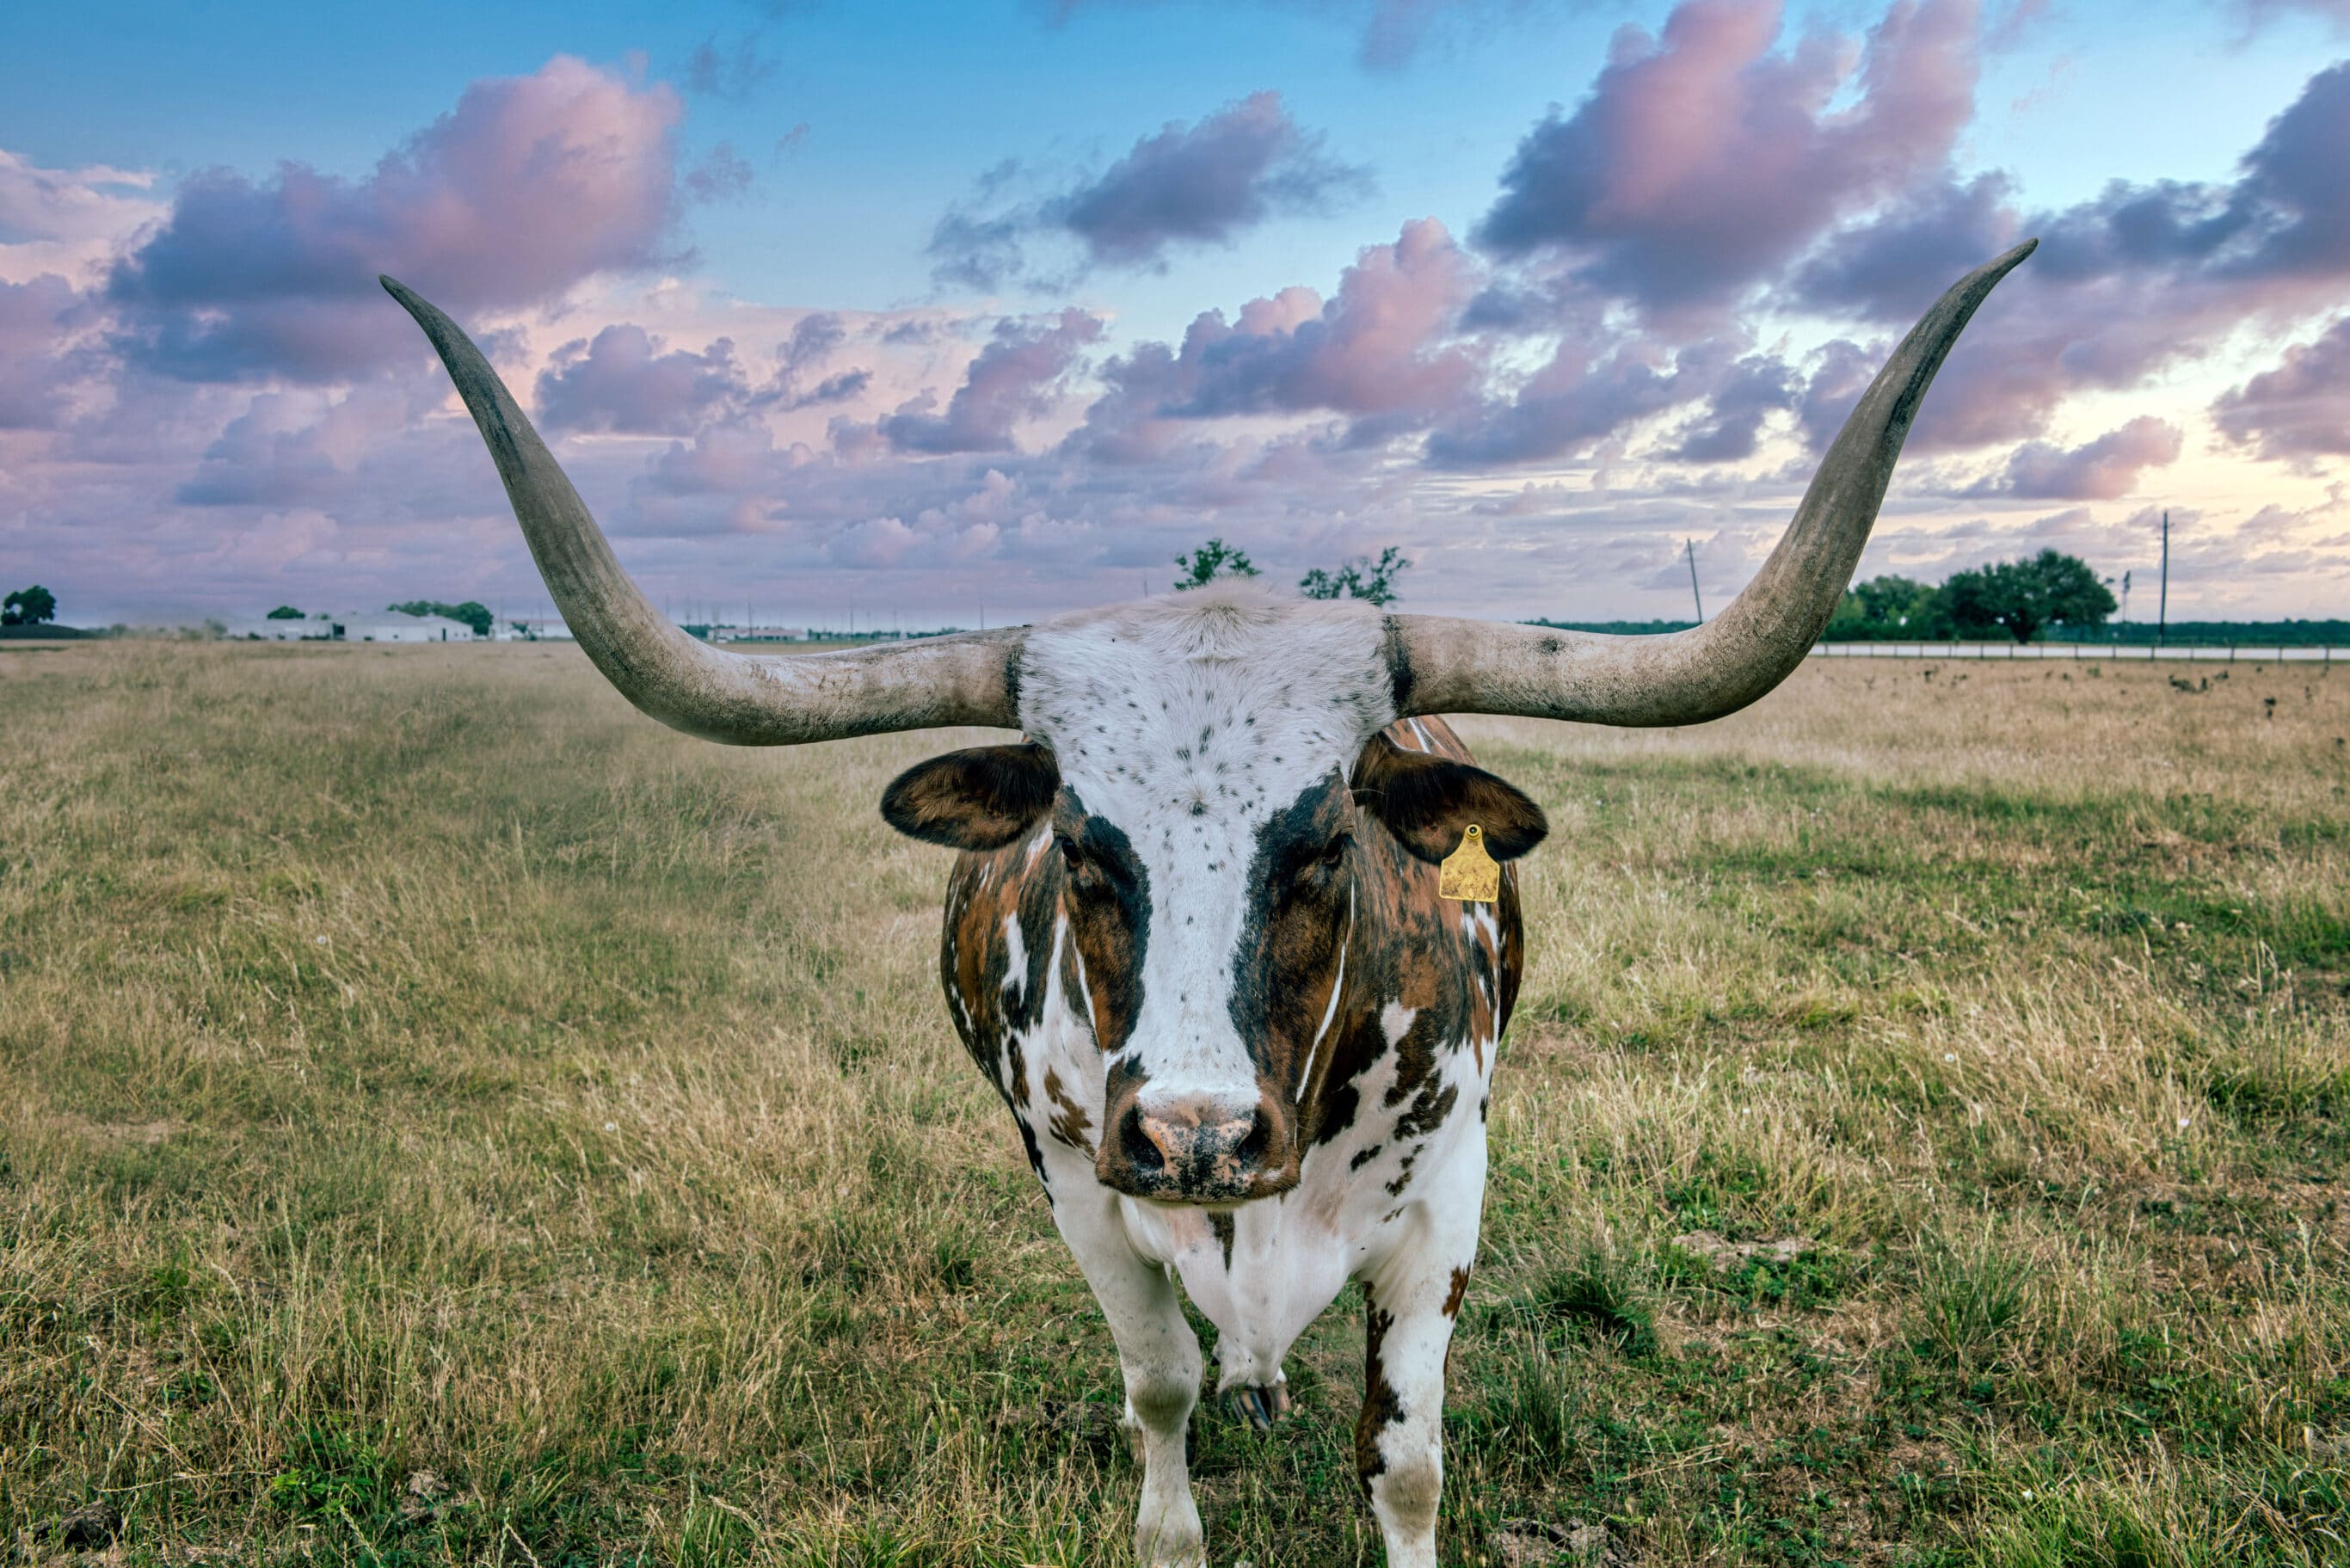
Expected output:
(1072, 857)
(1336, 851)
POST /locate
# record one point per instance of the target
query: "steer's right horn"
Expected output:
(969, 679)
(1443, 665)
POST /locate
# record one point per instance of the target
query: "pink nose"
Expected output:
(1200, 1149)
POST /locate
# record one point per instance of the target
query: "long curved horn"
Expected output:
(1444, 665)
(970, 678)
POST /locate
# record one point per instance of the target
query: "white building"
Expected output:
(309, 629)
(397, 625)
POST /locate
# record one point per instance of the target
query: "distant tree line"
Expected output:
(1364, 577)
(1619, 628)
(2019, 599)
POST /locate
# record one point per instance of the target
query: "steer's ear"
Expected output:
(983, 798)
(1426, 802)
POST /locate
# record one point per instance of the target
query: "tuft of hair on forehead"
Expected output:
(1231, 650)
(1228, 618)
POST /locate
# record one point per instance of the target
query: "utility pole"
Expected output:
(1693, 593)
(2162, 613)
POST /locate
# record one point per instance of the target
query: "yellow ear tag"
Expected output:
(1469, 874)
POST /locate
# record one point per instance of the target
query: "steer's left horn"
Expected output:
(1448, 666)
(969, 679)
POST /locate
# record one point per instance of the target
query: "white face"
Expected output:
(1188, 724)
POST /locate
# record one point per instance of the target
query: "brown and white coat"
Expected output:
(1238, 897)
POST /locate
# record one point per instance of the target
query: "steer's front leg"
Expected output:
(1160, 1355)
(1408, 1307)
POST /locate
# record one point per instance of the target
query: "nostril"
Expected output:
(1251, 1155)
(1143, 1154)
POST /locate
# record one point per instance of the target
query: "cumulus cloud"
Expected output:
(1378, 351)
(68, 221)
(1730, 427)
(2133, 279)
(623, 382)
(39, 363)
(814, 337)
(2300, 408)
(528, 186)
(2105, 469)
(1202, 184)
(1019, 375)
(263, 459)
(1199, 184)
(1591, 388)
(1702, 162)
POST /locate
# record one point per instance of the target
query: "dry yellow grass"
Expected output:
(444, 1116)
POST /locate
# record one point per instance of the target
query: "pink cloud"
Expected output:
(1701, 161)
(2300, 408)
(1202, 183)
(2133, 279)
(1379, 350)
(530, 185)
(623, 382)
(68, 221)
(1020, 375)
(1199, 184)
(40, 364)
(2105, 469)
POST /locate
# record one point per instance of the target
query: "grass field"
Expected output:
(444, 1116)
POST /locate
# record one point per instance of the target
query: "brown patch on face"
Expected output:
(1103, 887)
(992, 1004)
(1453, 1297)
(1300, 877)
(1459, 976)
(1381, 1409)
(980, 799)
(1070, 1124)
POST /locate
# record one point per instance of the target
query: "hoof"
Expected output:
(1261, 1406)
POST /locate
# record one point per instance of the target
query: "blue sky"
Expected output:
(182, 444)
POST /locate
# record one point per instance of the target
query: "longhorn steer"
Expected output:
(1194, 936)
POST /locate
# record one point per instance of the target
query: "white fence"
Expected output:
(2076, 652)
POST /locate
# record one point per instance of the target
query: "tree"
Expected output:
(2025, 597)
(474, 614)
(284, 612)
(1889, 609)
(1360, 578)
(1212, 560)
(28, 606)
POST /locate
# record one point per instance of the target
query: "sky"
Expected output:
(969, 313)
